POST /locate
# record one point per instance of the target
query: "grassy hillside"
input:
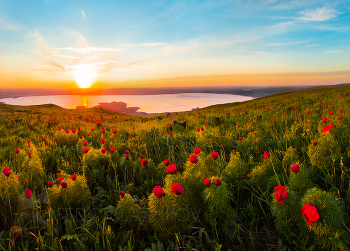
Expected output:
(266, 174)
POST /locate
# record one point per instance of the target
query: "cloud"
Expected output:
(142, 44)
(319, 14)
(87, 50)
(285, 43)
(7, 23)
(338, 51)
(83, 14)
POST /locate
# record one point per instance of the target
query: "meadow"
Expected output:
(266, 174)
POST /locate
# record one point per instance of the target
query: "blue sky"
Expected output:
(127, 42)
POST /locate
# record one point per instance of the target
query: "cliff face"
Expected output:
(120, 107)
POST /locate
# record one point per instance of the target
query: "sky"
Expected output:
(69, 44)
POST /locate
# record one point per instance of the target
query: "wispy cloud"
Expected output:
(83, 14)
(286, 43)
(87, 50)
(142, 44)
(338, 51)
(7, 23)
(319, 14)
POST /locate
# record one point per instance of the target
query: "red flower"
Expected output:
(214, 155)
(73, 176)
(103, 141)
(28, 193)
(324, 120)
(295, 168)
(194, 158)
(67, 131)
(207, 182)
(6, 171)
(158, 191)
(17, 151)
(308, 113)
(167, 162)
(103, 150)
(88, 134)
(177, 189)
(310, 214)
(280, 194)
(240, 138)
(305, 121)
(341, 110)
(85, 143)
(58, 170)
(73, 131)
(103, 131)
(314, 143)
(92, 129)
(64, 184)
(59, 179)
(49, 183)
(29, 154)
(198, 130)
(127, 151)
(142, 157)
(78, 128)
(59, 128)
(144, 162)
(112, 150)
(81, 136)
(326, 129)
(122, 194)
(85, 150)
(171, 169)
(339, 117)
(126, 157)
(266, 154)
(114, 131)
(330, 113)
(217, 182)
(196, 151)
(202, 128)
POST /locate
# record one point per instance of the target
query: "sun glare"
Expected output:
(85, 75)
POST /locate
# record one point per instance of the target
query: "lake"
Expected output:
(148, 103)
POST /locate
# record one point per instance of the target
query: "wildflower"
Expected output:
(217, 182)
(112, 150)
(126, 157)
(81, 136)
(142, 157)
(266, 154)
(114, 131)
(324, 120)
(103, 131)
(177, 189)
(103, 141)
(198, 130)
(295, 168)
(73, 176)
(341, 111)
(310, 214)
(214, 155)
(49, 183)
(122, 194)
(144, 162)
(171, 169)
(58, 170)
(207, 182)
(59, 128)
(308, 113)
(240, 138)
(326, 129)
(85, 150)
(127, 151)
(194, 158)
(6, 171)
(30, 154)
(314, 143)
(17, 151)
(103, 150)
(73, 131)
(85, 143)
(280, 194)
(340, 117)
(67, 131)
(196, 151)
(92, 129)
(78, 128)
(59, 179)
(64, 184)
(330, 113)
(202, 128)
(158, 191)
(167, 162)
(28, 193)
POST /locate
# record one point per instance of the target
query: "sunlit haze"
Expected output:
(70, 44)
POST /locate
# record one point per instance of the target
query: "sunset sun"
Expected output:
(85, 75)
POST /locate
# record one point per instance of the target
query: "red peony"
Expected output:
(280, 194)
(85, 150)
(126, 157)
(28, 193)
(103, 150)
(59, 179)
(114, 131)
(64, 184)
(310, 214)
(177, 189)
(122, 194)
(295, 168)
(171, 169)
(158, 191)
(194, 158)
(144, 162)
(6, 171)
(49, 183)
(214, 155)
(217, 182)
(73, 176)
(112, 150)
(196, 151)
(167, 162)
(207, 182)
(266, 154)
